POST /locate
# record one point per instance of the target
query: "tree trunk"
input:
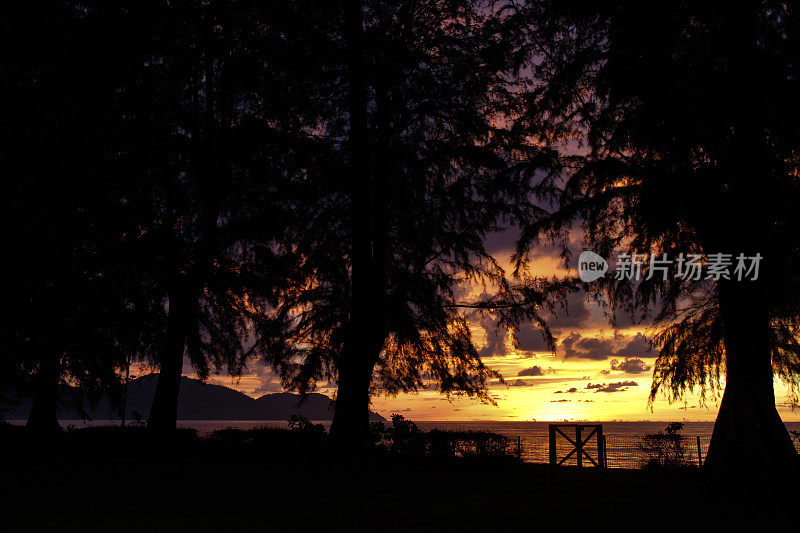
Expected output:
(749, 437)
(44, 412)
(206, 164)
(164, 411)
(350, 426)
(366, 328)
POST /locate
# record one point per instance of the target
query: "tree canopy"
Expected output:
(419, 174)
(674, 127)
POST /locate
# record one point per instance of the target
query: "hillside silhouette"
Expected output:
(197, 401)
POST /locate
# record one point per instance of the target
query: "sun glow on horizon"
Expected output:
(598, 372)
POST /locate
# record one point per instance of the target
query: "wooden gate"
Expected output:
(583, 433)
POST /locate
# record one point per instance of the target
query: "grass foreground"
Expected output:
(105, 480)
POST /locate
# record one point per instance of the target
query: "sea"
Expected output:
(511, 429)
(623, 440)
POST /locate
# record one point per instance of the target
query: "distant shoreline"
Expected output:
(109, 421)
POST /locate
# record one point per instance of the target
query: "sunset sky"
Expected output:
(597, 373)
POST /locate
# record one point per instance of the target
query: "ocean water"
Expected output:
(509, 428)
(623, 440)
(625, 447)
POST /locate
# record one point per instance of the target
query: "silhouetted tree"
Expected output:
(677, 128)
(417, 177)
(60, 72)
(212, 146)
(152, 148)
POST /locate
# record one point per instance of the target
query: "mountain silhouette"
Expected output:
(197, 401)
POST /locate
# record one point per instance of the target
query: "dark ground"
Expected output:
(108, 481)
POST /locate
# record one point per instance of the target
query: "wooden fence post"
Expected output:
(601, 447)
(699, 453)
